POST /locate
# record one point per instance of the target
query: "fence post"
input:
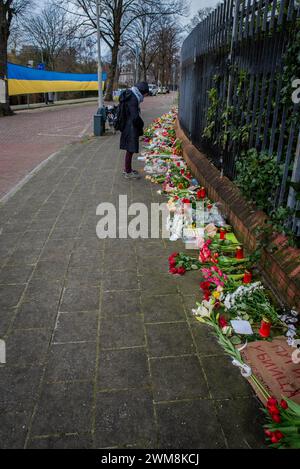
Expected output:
(230, 64)
(292, 202)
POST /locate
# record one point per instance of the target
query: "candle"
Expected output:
(202, 193)
(222, 234)
(239, 253)
(247, 277)
(265, 328)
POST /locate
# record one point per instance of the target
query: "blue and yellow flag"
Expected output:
(25, 80)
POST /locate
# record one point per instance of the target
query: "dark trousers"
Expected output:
(128, 162)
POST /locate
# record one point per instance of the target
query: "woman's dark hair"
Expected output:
(143, 87)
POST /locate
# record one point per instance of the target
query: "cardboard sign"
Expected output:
(273, 365)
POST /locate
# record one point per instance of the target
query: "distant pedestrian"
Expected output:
(51, 97)
(133, 126)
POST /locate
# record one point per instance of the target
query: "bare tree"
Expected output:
(201, 14)
(117, 17)
(10, 10)
(52, 32)
(167, 43)
(142, 35)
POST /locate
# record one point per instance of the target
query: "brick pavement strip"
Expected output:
(101, 348)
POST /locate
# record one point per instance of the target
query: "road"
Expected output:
(30, 136)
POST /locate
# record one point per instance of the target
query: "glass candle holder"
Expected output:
(265, 328)
(239, 253)
(247, 277)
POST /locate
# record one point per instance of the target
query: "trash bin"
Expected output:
(99, 122)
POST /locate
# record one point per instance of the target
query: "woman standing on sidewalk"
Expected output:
(133, 125)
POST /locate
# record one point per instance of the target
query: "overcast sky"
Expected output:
(197, 4)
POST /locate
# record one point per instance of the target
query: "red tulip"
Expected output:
(173, 270)
(181, 270)
(205, 285)
(206, 295)
(268, 433)
(279, 435)
(273, 410)
(272, 401)
(222, 322)
(283, 404)
(276, 418)
(172, 256)
(274, 439)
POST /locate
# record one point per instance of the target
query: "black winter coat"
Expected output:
(134, 123)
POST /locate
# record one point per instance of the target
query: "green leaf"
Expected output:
(235, 340)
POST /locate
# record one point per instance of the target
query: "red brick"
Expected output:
(281, 268)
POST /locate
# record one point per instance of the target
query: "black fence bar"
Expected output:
(233, 84)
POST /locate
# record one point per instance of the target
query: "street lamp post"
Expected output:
(137, 63)
(174, 75)
(100, 117)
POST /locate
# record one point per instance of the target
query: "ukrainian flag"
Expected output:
(25, 80)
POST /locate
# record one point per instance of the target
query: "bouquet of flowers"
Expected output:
(283, 427)
(179, 263)
(252, 303)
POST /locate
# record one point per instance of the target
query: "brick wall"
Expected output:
(281, 268)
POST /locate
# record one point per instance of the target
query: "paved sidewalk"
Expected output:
(102, 351)
(24, 107)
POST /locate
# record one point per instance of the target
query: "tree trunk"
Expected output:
(118, 14)
(112, 73)
(4, 33)
(144, 67)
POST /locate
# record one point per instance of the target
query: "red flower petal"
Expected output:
(276, 418)
(283, 404)
(273, 409)
(272, 401)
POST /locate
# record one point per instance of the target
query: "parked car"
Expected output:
(153, 90)
(162, 90)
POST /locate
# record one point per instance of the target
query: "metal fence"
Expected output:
(236, 88)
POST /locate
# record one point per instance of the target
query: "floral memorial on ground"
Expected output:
(232, 297)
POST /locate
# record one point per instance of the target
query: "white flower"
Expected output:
(291, 333)
(292, 342)
(204, 310)
(227, 330)
(292, 320)
(227, 302)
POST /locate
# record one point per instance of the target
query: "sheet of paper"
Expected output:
(242, 327)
